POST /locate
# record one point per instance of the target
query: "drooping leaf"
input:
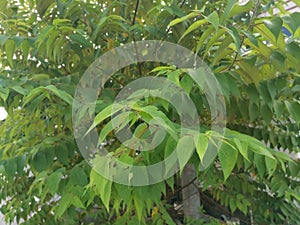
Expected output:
(201, 143)
(242, 147)
(228, 157)
(10, 50)
(102, 187)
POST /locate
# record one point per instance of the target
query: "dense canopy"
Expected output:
(47, 46)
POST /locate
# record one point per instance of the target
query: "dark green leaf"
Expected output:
(266, 113)
(53, 182)
(253, 111)
(61, 152)
(78, 176)
(11, 167)
(292, 20)
(39, 161)
(294, 49)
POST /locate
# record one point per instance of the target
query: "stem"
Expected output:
(248, 28)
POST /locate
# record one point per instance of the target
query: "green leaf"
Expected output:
(294, 110)
(266, 113)
(204, 37)
(271, 165)
(61, 152)
(251, 37)
(64, 203)
(258, 148)
(294, 49)
(3, 39)
(232, 204)
(42, 6)
(58, 21)
(53, 181)
(117, 122)
(11, 167)
(253, 93)
(242, 147)
(4, 92)
(51, 41)
(278, 60)
(32, 95)
(78, 176)
(193, 27)
(201, 143)
(10, 50)
(253, 111)
(61, 94)
(182, 19)
(229, 5)
(77, 202)
(236, 37)
(124, 192)
(18, 40)
(140, 130)
(138, 199)
(102, 187)
(39, 161)
(292, 20)
(260, 164)
(240, 7)
(274, 25)
(105, 113)
(213, 18)
(25, 48)
(187, 83)
(78, 38)
(185, 148)
(228, 158)
(20, 160)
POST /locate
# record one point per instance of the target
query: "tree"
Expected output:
(46, 47)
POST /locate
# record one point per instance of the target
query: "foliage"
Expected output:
(47, 45)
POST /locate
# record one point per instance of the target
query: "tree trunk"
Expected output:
(190, 193)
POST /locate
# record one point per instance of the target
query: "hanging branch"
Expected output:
(248, 29)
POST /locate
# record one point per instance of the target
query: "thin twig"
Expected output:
(186, 185)
(134, 40)
(248, 28)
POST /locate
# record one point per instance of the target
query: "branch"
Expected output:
(134, 40)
